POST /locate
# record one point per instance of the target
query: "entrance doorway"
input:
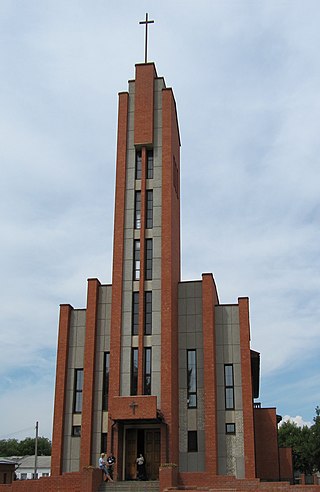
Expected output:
(146, 442)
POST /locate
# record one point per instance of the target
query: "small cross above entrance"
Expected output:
(133, 405)
(146, 22)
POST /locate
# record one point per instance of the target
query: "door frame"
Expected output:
(135, 426)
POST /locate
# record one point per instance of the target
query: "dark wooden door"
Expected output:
(131, 454)
(152, 453)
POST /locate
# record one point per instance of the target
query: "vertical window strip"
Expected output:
(137, 210)
(78, 387)
(229, 386)
(192, 378)
(149, 255)
(135, 313)
(149, 207)
(134, 372)
(148, 313)
(136, 260)
(138, 167)
(150, 164)
(147, 371)
(192, 441)
(106, 373)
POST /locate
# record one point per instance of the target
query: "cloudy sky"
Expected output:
(246, 77)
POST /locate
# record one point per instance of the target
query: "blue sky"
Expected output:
(246, 77)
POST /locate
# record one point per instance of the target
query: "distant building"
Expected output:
(7, 469)
(153, 364)
(24, 466)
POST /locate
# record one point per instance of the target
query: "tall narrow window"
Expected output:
(78, 386)
(136, 260)
(192, 378)
(135, 313)
(149, 222)
(134, 371)
(138, 164)
(192, 441)
(149, 164)
(229, 386)
(106, 372)
(148, 313)
(148, 275)
(147, 371)
(137, 210)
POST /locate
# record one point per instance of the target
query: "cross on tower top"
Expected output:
(146, 22)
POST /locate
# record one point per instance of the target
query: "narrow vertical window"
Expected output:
(192, 441)
(138, 164)
(134, 371)
(136, 260)
(147, 372)
(135, 313)
(229, 386)
(78, 386)
(149, 164)
(106, 372)
(149, 209)
(137, 210)
(148, 313)
(192, 378)
(148, 275)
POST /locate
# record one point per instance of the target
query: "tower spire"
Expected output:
(146, 22)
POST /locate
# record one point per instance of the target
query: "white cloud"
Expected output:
(297, 420)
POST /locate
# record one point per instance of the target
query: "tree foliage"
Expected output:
(13, 447)
(305, 444)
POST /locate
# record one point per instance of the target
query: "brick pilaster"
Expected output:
(60, 392)
(88, 373)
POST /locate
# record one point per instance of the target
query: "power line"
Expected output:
(7, 436)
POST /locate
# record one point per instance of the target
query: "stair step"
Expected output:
(132, 486)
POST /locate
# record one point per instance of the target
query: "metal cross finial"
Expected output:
(146, 22)
(133, 405)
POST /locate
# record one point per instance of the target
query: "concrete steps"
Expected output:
(130, 486)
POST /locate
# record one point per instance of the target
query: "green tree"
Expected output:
(315, 431)
(9, 447)
(301, 442)
(12, 447)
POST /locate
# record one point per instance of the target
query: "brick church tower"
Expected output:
(154, 365)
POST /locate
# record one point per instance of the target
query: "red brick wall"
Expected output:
(60, 392)
(266, 441)
(246, 381)
(88, 372)
(144, 103)
(286, 465)
(170, 274)
(209, 300)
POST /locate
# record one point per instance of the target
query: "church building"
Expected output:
(153, 364)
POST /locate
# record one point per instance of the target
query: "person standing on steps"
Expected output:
(111, 461)
(103, 467)
(140, 467)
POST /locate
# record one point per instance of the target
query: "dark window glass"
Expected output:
(148, 259)
(138, 164)
(137, 210)
(134, 371)
(148, 313)
(135, 313)
(192, 442)
(149, 164)
(147, 371)
(229, 386)
(230, 428)
(149, 209)
(136, 260)
(76, 430)
(106, 373)
(192, 378)
(78, 386)
(104, 437)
